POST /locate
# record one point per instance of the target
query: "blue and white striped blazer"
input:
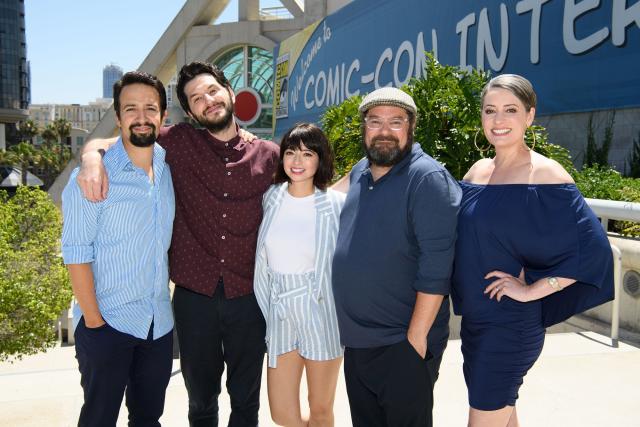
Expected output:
(328, 205)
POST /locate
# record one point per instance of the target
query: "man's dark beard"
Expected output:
(217, 125)
(387, 156)
(144, 140)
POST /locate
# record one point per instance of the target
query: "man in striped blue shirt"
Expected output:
(116, 253)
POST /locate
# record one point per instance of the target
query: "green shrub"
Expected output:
(448, 102)
(34, 285)
(605, 183)
(341, 123)
(634, 160)
(449, 108)
(598, 154)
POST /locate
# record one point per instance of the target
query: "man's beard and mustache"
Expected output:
(143, 140)
(386, 153)
(219, 124)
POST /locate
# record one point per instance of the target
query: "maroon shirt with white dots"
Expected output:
(219, 187)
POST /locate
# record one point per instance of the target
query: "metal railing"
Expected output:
(621, 211)
(274, 13)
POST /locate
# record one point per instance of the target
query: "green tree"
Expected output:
(54, 154)
(28, 129)
(5, 158)
(47, 160)
(34, 284)
(598, 154)
(50, 135)
(22, 155)
(341, 123)
(634, 160)
(448, 102)
(63, 130)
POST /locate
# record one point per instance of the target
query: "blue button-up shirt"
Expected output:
(396, 238)
(125, 238)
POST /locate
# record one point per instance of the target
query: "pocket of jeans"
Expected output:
(414, 351)
(97, 329)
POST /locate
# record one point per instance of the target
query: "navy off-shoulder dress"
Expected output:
(549, 231)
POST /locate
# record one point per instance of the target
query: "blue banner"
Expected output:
(580, 55)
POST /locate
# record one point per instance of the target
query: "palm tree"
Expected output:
(63, 130)
(28, 129)
(48, 162)
(50, 135)
(4, 157)
(23, 155)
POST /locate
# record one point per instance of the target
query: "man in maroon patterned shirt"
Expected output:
(219, 180)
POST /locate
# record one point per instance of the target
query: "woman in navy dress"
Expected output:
(530, 253)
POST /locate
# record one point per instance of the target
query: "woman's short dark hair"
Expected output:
(133, 77)
(189, 71)
(315, 140)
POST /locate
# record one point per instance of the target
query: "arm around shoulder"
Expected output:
(92, 178)
(94, 145)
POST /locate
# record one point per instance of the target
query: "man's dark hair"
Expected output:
(315, 140)
(193, 69)
(133, 77)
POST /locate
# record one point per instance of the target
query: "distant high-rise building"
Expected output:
(14, 78)
(110, 74)
(80, 116)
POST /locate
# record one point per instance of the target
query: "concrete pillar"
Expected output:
(3, 140)
(248, 10)
(314, 10)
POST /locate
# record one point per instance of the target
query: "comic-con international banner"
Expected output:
(581, 55)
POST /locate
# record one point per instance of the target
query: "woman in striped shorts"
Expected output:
(292, 283)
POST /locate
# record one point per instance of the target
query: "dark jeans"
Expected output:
(213, 331)
(390, 386)
(110, 361)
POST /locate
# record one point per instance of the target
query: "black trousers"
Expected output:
(390, 386)
(110, 362)
(212, 332)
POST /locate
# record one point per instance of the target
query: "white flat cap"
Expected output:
(388, 96)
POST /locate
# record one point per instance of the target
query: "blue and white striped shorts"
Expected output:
(301, 317)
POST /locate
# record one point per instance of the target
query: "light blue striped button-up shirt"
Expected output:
(125, 238)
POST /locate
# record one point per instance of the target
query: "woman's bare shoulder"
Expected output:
(548, 171)
(480, 171)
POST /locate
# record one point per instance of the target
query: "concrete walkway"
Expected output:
(579, 380)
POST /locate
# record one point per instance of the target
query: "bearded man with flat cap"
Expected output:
(392, 268)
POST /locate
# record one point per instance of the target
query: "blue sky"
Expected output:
(70, 41)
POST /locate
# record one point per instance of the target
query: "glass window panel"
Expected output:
(258, 74)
